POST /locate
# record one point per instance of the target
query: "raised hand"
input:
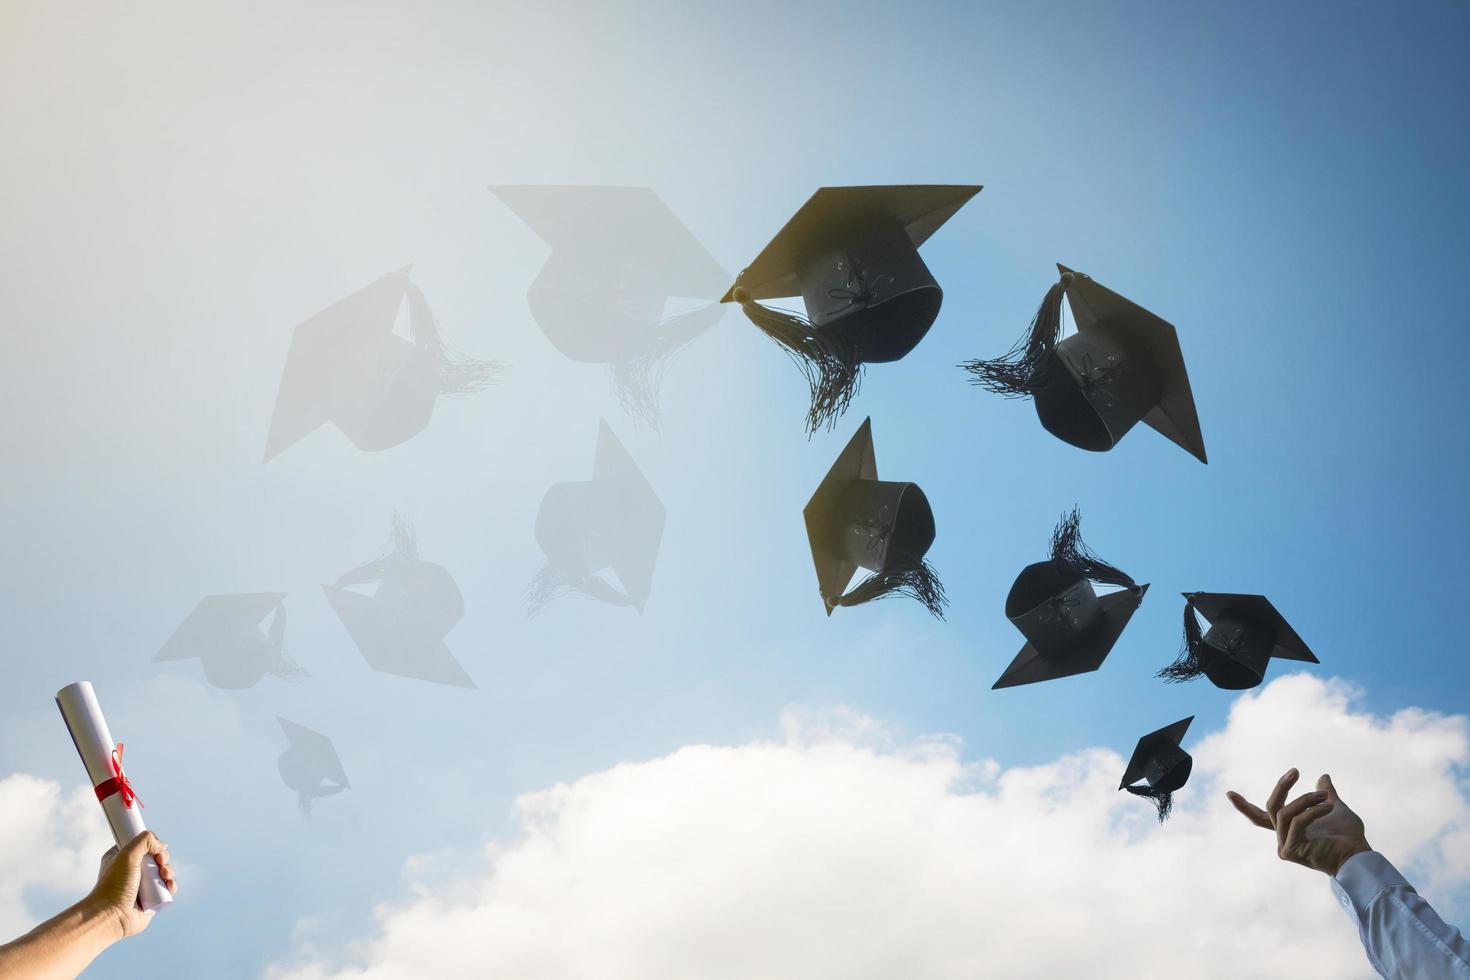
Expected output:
(1316, 829)
(120, 876)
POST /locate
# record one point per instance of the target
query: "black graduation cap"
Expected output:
(400, 627)
(310, 765)
(618, 255)
(226, 634)
(1245, 632)
(613, 521)
(856, 520)
(347, 366)
(1162, 764)
(1069, 628)
(1122, 366)
(852, 255)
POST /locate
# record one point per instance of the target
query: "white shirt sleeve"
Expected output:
(1402, 935)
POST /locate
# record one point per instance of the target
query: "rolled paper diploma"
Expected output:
(103, 759)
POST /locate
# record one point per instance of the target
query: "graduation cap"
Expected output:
(347, 366)
(612, 521)
(856, 520)
(1245, 632)
(1122, 366)
(226, 634)
(400, 627)
(1069, 628)
(852, 255)
(618, 255)
(310, 765)
(1161, 764)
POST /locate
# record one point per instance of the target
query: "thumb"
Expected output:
(1325, 785)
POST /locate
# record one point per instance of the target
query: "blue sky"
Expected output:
(1283, 183)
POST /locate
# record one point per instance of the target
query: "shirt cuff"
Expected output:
(1362, 877)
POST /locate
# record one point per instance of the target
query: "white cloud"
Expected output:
(49, 846)
(840, 851)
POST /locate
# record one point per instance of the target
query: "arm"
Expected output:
(1401, 934)
(64, 945)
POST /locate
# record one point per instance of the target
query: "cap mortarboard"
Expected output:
(855, 520)
(852, 254)
(225, 633)
(1246, 631)
(310, 765)
(613, 521)
(400, 628)
(1122, 366)
(618, 254)
(1069, 628)
(347, 366)
(1162, 764)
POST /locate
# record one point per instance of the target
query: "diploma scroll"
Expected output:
(103, 759)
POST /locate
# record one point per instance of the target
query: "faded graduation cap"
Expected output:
(1245, 632)
(1122, 366)
(310, 765)
(347, 366)
(856, 520)
(613, 521)
(1069, 628)
(1162, 765)
(227, 634)
(400, 627)
(852, 255)
(618, 256)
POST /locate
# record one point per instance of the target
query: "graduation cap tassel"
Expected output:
(405, 541)
(1021, 369)
(1068, 550)
(830, 364)
(458, 374)
(280, 666)
(1187, 666)
(637, 380)
(1163, 800)
(552, 583)
(915, 579)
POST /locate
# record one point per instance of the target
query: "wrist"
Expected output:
(102, 920)
(1359, 846)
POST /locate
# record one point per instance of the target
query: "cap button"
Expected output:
(740, 294)
(1067, 278)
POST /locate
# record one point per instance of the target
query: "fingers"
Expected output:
(1289, 813)
(1278, 795)
(148, 843)
(1249, 810)
(132, 852)
(165, 868)
(1296, 833)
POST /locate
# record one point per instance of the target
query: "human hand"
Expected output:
(119, 877)
(1316, 829)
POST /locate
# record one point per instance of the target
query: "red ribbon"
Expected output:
(118, 783)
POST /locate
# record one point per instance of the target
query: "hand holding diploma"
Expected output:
(120, 880)
(65, 944)
(103, 759)
(135, 878)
